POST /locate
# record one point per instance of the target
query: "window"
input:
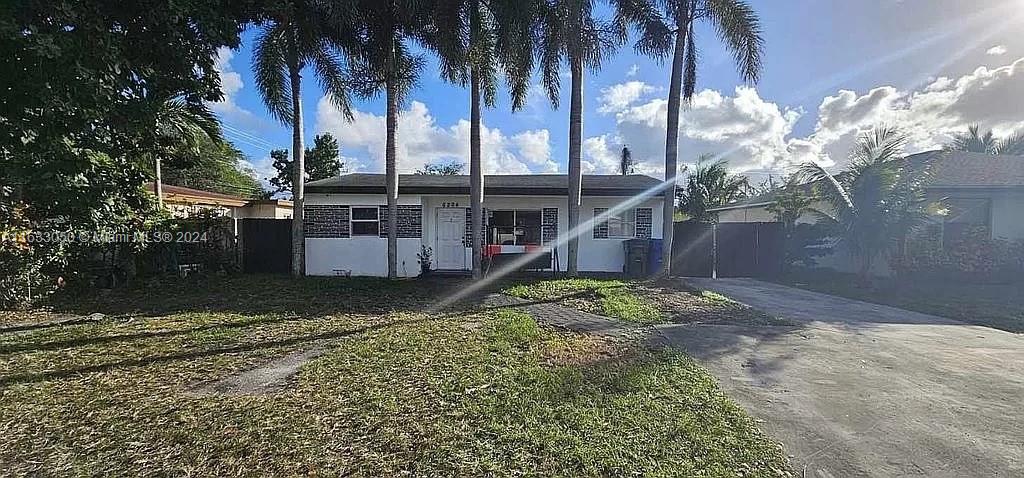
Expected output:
(621, 224)
(365, 221)
(514, 227)
(618, 225)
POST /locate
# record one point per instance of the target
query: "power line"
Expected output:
(248, 136)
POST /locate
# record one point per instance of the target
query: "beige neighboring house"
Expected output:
(184, 202)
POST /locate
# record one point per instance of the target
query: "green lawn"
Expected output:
(471, 392)
(1000, 306)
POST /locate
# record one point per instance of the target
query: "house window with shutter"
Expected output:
(618, 225)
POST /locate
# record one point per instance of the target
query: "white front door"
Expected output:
(450, 252)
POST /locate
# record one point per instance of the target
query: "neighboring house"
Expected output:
(346, 220)
(975, 189)
(184, 202)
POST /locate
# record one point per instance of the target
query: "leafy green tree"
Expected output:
(710, 185)
(322, 161)
(570, 34)
(78, 132)
(789, 203)
(296, 35)
(180, 128)
(442, 169)
(476, 41)
(216, 166)
(876, 200)
(666, 28)
(974, 141)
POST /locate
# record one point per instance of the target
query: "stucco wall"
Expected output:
(1008, 215)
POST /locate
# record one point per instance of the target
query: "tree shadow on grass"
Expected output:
(105, 339)
(194, 354)
(262, 294)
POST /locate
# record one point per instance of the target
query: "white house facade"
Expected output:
(346, 221)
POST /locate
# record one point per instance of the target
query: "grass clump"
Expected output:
(625, 305)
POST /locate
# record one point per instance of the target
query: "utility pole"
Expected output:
(159, 186)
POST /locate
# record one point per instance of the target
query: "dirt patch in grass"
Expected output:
(644, 302)
(571, 349)
(267, 378)
(685, 304)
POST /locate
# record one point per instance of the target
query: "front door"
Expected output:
(450, 252)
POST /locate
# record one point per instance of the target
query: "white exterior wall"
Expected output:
(1008, 215)
(607, 255)
(360, 255)
(368, 255)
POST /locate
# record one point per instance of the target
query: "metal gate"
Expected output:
(266, 245)
(750, 249)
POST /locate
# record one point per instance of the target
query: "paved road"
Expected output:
(860, 389)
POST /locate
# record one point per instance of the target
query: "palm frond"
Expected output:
(1012, 144)
(738, 27)
(332, 77)
(270, 66)
(690, 62)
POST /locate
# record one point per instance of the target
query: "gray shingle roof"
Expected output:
(512, 184)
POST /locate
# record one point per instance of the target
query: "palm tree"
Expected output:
(667, 28)
(626, 161)
(383, 61)
(475, 39)
(876, 200)
(180, 126)
(974, 142)
(709, 186)
(297, 34)
(569, 33)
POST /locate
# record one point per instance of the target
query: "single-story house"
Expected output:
(976, 189)
(346, 220)
(969, 190)
(184, 202)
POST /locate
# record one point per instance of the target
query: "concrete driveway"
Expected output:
(859, 389)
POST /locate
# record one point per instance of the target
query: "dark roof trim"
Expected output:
(488, 191)
(740, 206)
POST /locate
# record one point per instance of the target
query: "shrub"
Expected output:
(975, 254)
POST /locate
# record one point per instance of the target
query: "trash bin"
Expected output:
(637, 252)
(654, 256)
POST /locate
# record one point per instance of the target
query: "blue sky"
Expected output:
(832, 69)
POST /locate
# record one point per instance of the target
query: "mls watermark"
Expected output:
(103, 237)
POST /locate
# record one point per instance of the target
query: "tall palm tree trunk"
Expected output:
(575, 174)
(671, 152)
(476, 175)
(391, 169)
(298, 159)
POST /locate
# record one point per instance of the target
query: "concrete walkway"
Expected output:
(860, 389)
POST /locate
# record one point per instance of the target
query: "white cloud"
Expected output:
(617, 97)
(990, 97)
(231, 83)
(421, 141)
(633, 70)
(744, 129)
(756, 135)
(996, 50)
